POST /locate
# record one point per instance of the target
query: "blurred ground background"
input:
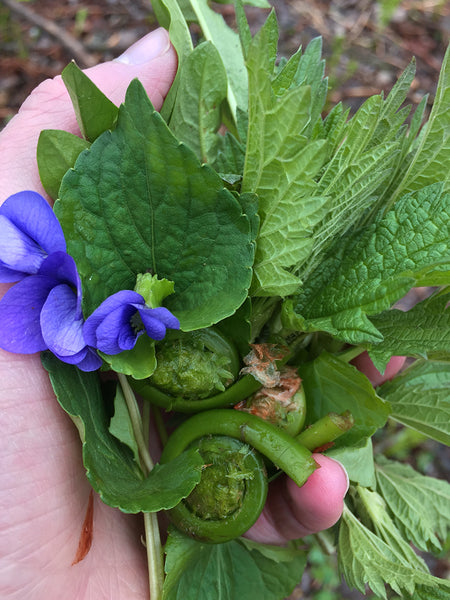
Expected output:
(367, 44)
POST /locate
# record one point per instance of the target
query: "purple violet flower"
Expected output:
(43, 310)
(30, 232)
(120, 319)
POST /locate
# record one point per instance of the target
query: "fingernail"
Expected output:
(154, 44)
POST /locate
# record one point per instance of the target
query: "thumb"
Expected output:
(152, 59)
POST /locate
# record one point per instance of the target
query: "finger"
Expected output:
(292, 512)
(152, 59)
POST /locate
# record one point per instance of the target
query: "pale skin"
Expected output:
(44, 493)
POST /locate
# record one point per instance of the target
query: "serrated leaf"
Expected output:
(364, 558)
(419, 505)
(235, 569)
(431, 158)
(420, 399)
(421, 332)
(196, 115)
(366, 273)
(332, 385)
(57, 152)
(109, 465)
(94, 111)
(140, 201)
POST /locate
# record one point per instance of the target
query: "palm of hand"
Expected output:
(45, 496)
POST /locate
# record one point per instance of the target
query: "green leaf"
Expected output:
(235, 569)
(139, 201)
(120, 425)
(57, 152)
(420, 505)
(139, 362)
(281, 165)
(421, 332)
(227, 42)
(431, 158)
(364, 558)
(358, 462)
(196, 115)
(152, 289)
(332, 385)
(94, 111)
(420, 399)
(365, 273)
(110, 466)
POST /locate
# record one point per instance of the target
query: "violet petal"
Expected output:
(91, 362)
(62, 326)
(116, 325)
(20, 310)
(124, 297)
(32, 214)
(17, 250)
(156, 320)
(62, 267)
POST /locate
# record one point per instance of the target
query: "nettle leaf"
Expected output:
(110, 466)
(57, 152)
(139, 201)
(235, 569)
(196, 115)
(94, 111)
(421, 332)
(332, 385)
(228, 45)
(366, 273)
(420, 505)
(432, 155)
(364, 558)
(420, 399)
(281, 165)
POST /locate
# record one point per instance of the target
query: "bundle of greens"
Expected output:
(237, 251)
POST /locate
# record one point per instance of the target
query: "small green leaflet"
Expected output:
(110, 466)
(120, 425)
(358, 462)
(139, 362)
(407, 493)
(228, 45)
(236, 569)
(57, 152)
(366, 273)
(332, 385)
(196, 115)
(421, 332)
(364, 558)
(280, 166)
(94, 111)
(139, 201)
(420, 398)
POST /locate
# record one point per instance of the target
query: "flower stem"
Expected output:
(152, 538)
(324, 431)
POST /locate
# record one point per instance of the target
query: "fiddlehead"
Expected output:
(249, 495)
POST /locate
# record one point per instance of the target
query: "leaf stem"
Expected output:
(350, 353)
(152, 537)
(324, 431)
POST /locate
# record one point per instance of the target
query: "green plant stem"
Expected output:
(152, 537)
(159, 423)
(350, 353)
(325, 430)
(277, 445)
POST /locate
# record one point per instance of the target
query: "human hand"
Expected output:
(45, 494)
(44, 491)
